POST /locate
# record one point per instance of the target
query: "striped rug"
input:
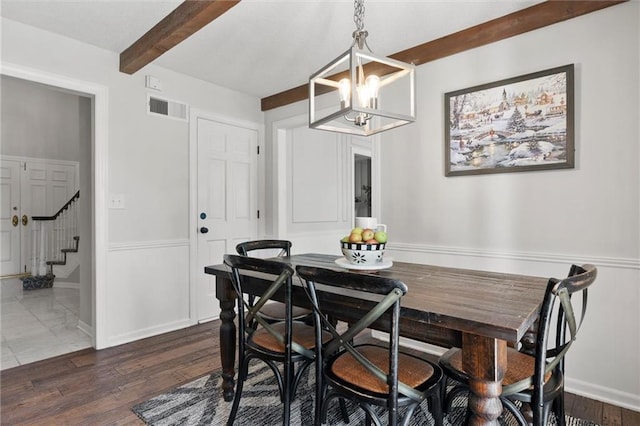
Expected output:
(200, 403)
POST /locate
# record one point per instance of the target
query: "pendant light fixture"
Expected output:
(361, 93)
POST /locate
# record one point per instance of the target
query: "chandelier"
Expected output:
(347, 94)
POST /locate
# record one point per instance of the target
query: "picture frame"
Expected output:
(519, 124)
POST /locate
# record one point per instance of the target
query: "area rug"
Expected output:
(200, 403)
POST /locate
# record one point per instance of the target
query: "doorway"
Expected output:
(30, 187)
(93, 186)
(362, 185)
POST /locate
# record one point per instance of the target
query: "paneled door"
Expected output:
(10, 217)
(30, 187)
(46, 186)
(227, 201)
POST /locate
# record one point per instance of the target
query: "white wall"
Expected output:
(147, 163)
(536, 222)
(39, 122)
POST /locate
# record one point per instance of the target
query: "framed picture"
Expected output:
(519, 124)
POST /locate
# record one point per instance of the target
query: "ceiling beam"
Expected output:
(522, 21)
(185, 20)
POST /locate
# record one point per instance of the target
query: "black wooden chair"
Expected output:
(287, 343)
(367, 374)
(535, 376)
(273, 311)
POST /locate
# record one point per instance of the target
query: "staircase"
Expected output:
(54, 238)
(64, 251)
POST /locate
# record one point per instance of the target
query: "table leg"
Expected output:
(226, 296)
(485, 360)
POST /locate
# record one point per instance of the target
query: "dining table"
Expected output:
(480, 311)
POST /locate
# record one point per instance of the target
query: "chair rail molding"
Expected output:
(406, 249)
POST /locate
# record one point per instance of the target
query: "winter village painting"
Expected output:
(520, 124)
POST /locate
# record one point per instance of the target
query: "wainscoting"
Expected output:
(147, 289)
(612, 320)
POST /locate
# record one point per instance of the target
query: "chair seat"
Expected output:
(275, 311)
(302, 334)
(519, 366)
(412, 371)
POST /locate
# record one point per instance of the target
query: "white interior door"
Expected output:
(10, 217)
(227, 201)
(30, 187)
(46, 186)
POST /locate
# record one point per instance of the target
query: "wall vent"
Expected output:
(167, 108)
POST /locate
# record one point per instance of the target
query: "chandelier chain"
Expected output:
(358, 14)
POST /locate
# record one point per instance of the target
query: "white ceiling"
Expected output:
(260, 47)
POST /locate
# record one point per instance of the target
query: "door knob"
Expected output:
(14, 220)
(25, 219)
(204, 230)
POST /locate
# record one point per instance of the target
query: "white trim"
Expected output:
(66, 284)
(410, 343)
(40, 160)
(624, 263)
(86, 328)
(148, 332)
(100, 169)
(279, 173)
(598, 392)
(146, 245)
(602, 393)
(74, 164)
(577, 387)
(358, 147)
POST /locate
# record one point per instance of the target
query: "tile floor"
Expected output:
(38, 324)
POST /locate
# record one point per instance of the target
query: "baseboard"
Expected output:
(64, 284)
(148, 332)
(604, 394)
(87, 329)
(577, 387)
(409, 343)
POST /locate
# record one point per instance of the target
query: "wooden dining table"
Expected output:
(480, 311)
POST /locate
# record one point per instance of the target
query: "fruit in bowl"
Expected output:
(362, 247)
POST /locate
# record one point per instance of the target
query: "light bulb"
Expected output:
(363, 96)
(345, 92)
(373, 87)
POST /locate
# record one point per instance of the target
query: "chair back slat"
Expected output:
(353, 281)
(246, 248)
(249, 313)
(391, 291)
(557, 297)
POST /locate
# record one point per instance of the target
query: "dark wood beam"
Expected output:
(522, 21)
(185, 20)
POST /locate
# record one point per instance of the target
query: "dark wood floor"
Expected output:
(91, 387)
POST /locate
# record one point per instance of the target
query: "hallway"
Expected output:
(38, 324)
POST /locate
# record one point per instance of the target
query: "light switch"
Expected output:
(116, 201)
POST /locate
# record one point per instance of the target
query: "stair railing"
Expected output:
(53, 236)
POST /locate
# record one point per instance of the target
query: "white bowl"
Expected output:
(362, 254)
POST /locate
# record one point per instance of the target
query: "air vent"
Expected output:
(166, 108)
